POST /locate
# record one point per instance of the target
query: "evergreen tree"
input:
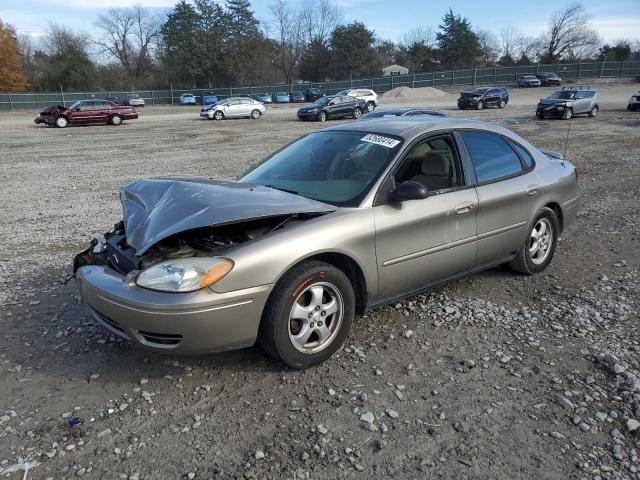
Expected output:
(353, 51)
(458, 44)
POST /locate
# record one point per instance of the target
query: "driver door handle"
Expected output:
(465, 208)
(532, 190)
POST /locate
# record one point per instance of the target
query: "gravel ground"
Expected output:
(495, 376)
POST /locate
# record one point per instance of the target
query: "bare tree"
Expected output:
(510, 42)
(130, 36)
(569, 34)
(319, 18)
(288, 30)
(489, 46)
(423, 36)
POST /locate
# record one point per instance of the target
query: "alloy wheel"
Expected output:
(540, 241)
(315, 317)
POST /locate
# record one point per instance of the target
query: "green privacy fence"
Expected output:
(470, 76)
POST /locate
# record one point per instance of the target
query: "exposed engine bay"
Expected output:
(111, 249)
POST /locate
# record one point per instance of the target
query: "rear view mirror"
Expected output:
(409, 190)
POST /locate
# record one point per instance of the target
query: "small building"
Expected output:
(395, 70)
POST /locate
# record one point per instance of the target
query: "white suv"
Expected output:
(369, 96)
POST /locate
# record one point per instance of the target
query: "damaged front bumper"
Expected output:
(179, 323)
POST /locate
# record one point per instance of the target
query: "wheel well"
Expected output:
(353, 272)
(558, 211)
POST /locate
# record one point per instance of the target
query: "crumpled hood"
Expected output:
(553, 101)
(155, 209)
(470, 95)
(54, 109)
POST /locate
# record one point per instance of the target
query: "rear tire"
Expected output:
(594, 111)
(502, 104)
(308, 316)
(255, 114)
(62, 122)
(540, 245)
(115, 120)
(371, 106)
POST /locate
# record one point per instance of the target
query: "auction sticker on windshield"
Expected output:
(380, 140)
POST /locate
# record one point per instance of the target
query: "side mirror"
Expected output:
(409, 190)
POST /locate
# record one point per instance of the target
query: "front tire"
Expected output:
(308, 316)
(255, 114)
(218, 115)
(115, 120)
(567, 114)
(594, 111)
(62, 122)
(322, 117)
(540, 246)
(479, 106)
(357, 113)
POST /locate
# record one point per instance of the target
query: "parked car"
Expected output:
(133, 100)
(634, 102)
(281, 97)
(188, 99)
(335, 106)
(484, 97)
(264, 98)
(568, 102)
(86, 111)
(234, 107)
(115, 100)
(298, 97)
(209, 99)
(528, 81)
(369, 96)
(313, 94)
(402, 112)
(338, 222)
(548, 79)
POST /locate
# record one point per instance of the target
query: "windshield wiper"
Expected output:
(282, 189)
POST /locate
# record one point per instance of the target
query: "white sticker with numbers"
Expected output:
(380, 140)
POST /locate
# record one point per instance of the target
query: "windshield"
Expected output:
(480, 90)
(323, 101)
(335, 167)
(563, 94)
(74, 105)
(343, 92)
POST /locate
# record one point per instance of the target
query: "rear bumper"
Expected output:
(177, 323)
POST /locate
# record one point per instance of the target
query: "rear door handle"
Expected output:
(464, 208)
(532, 190)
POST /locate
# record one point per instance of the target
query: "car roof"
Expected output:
(412, 127)
(404, 110)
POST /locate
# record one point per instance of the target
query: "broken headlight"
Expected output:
(184, 274)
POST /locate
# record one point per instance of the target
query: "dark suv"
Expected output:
(484, 97)
(313, 94)
(548, 79)
(336, 106)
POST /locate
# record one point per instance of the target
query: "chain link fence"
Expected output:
(471, 76)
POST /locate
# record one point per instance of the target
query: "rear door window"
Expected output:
(492, 157)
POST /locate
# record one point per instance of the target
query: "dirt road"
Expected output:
(495, 376)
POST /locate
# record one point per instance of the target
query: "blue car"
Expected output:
(209, 99)
(187, 99)
(281, 97)
(264, 97)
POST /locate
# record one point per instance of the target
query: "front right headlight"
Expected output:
(184, 274)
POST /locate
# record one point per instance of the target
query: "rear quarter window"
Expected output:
(492, 157)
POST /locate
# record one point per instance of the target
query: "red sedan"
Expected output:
(86, 111)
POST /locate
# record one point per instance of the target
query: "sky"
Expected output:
(391, 19)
